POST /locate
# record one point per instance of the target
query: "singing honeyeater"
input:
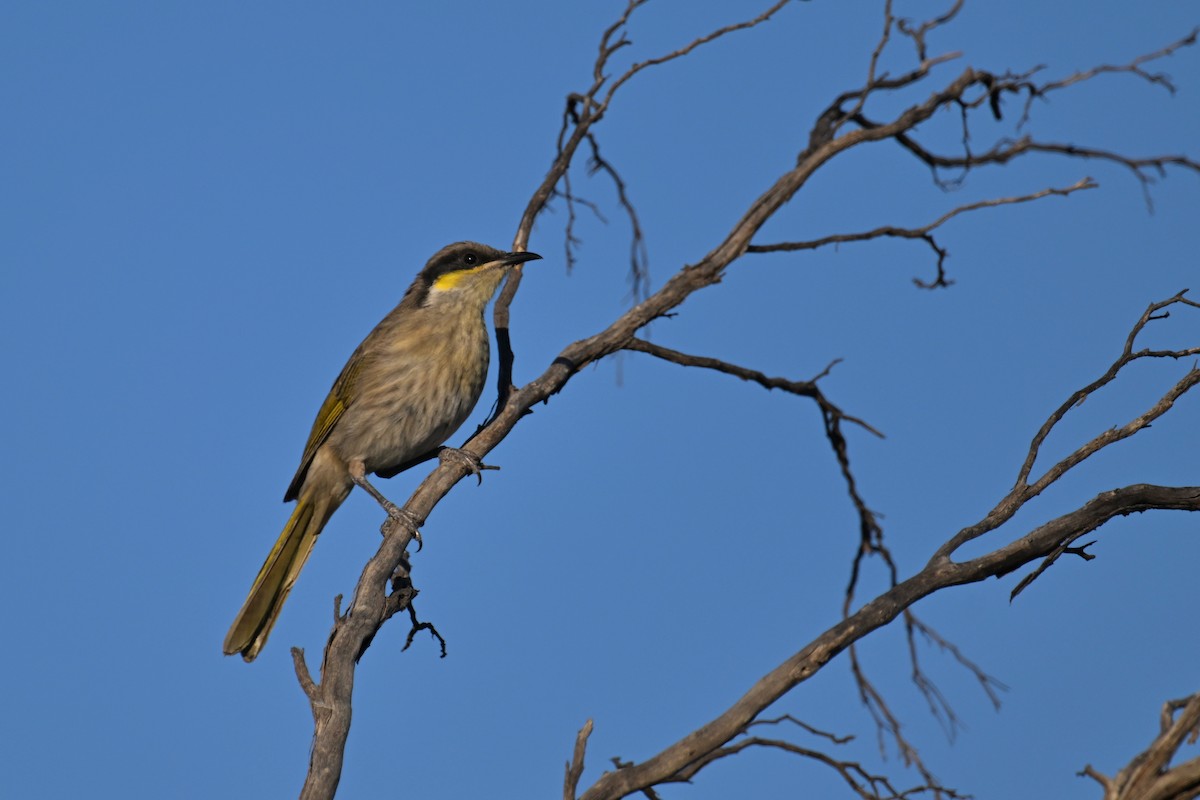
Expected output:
(410, 384)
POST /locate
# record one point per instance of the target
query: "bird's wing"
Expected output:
(336, 403)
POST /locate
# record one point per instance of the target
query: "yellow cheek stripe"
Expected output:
(450, 280)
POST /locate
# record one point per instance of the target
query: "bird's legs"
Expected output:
(358, 474)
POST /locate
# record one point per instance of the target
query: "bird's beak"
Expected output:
(511, 259)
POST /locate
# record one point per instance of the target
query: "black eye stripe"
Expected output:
(459, 257)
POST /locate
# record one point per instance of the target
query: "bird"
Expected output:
(405, 390)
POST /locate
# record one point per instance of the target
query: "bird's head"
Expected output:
(467, 272)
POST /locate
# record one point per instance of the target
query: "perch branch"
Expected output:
(370, 606)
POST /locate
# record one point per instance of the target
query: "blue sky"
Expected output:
(206, 206)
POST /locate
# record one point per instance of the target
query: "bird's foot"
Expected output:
(358, 474)
(406, 518)
(468, 461)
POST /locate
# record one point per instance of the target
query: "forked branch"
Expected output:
(1150, 774)
(832, 136)
(709, 741)
(925, 232)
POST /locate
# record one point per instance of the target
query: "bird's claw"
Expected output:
(404, 517)
(468, 461)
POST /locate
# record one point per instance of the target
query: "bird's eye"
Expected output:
(469, 259)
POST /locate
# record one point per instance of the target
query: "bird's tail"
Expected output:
(253, 624)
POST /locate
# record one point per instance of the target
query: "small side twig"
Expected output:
(417, 627)
(1134, 67)
(801, 388)
(310, 688)
(917, 33)
(575, 765)
(804, 725)
(1026, 487)
(925, 232)
(831, 416)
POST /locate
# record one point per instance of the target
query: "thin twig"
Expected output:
(924, 232)
(575, 765)
(370, 605)
(1134, 67)
(1024, 489)
(683, 51)
(310, 688)
(872, 66)
(918, 33)
(801, 388)
(802, 724)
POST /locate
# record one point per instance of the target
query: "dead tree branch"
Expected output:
(575, 765)
(925, 232)
(1023, 490)
(373, 604)
(1134, 67)
(584, 111)
(1150, 776)
(711, 737)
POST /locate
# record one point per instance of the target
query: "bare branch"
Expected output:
(863, 783)
(917, 233)
(859, 780)
(872, 81)
(869, 530)
(575, 765)
(705, 743)
(1145, 169)
(1023, 490)
(417, 627)
(939, 705)
(877, 613)
(351, 634)
(639, 274)
(1127, 357)
(917, 34)
(683, 51)
(835, 115)
(924, 232)
(801, 388)
(608, 47)
(887, 724)
(584, 111)
(1149, 775)
(1089, 772)
(802, 724)
(571, 199)
(372, 604)
(303, 675)
(1049, 561)
(1134, 67)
